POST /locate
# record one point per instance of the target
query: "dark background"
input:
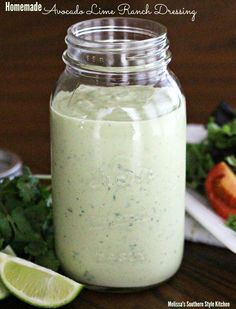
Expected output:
(204, 59)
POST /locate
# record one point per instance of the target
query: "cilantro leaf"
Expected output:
(199, 162)
(23, 229)
(48, 259)
(36, 248)
(5, 229)
(26, 219)
(231, 222)
(231, 160)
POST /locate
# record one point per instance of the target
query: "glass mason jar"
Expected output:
(118, 129)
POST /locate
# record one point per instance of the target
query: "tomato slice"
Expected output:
(220, 187)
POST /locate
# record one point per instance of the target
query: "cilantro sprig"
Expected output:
(26, 219)
(231, 222)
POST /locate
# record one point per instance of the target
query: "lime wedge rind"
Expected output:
(36, 285)
(4, 293)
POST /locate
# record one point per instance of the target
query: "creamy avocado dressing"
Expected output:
(118, 165)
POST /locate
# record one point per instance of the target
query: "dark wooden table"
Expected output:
(204, 59)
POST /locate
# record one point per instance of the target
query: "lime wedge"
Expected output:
(3, 291)
(37, 285)
(8, 250)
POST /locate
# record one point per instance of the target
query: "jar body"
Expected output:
(118, 176)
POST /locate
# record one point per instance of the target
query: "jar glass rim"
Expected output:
(153, 33)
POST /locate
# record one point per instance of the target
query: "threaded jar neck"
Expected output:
(117, 45)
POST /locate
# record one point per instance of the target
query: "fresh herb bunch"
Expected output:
(26, 219)
(219, 145)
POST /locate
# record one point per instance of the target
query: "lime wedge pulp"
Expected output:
(3, 291)
(37, 285)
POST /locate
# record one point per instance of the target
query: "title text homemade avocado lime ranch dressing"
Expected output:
(118, 165)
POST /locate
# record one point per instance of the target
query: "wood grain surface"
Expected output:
(204, 59)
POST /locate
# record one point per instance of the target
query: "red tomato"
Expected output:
(220, 187)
